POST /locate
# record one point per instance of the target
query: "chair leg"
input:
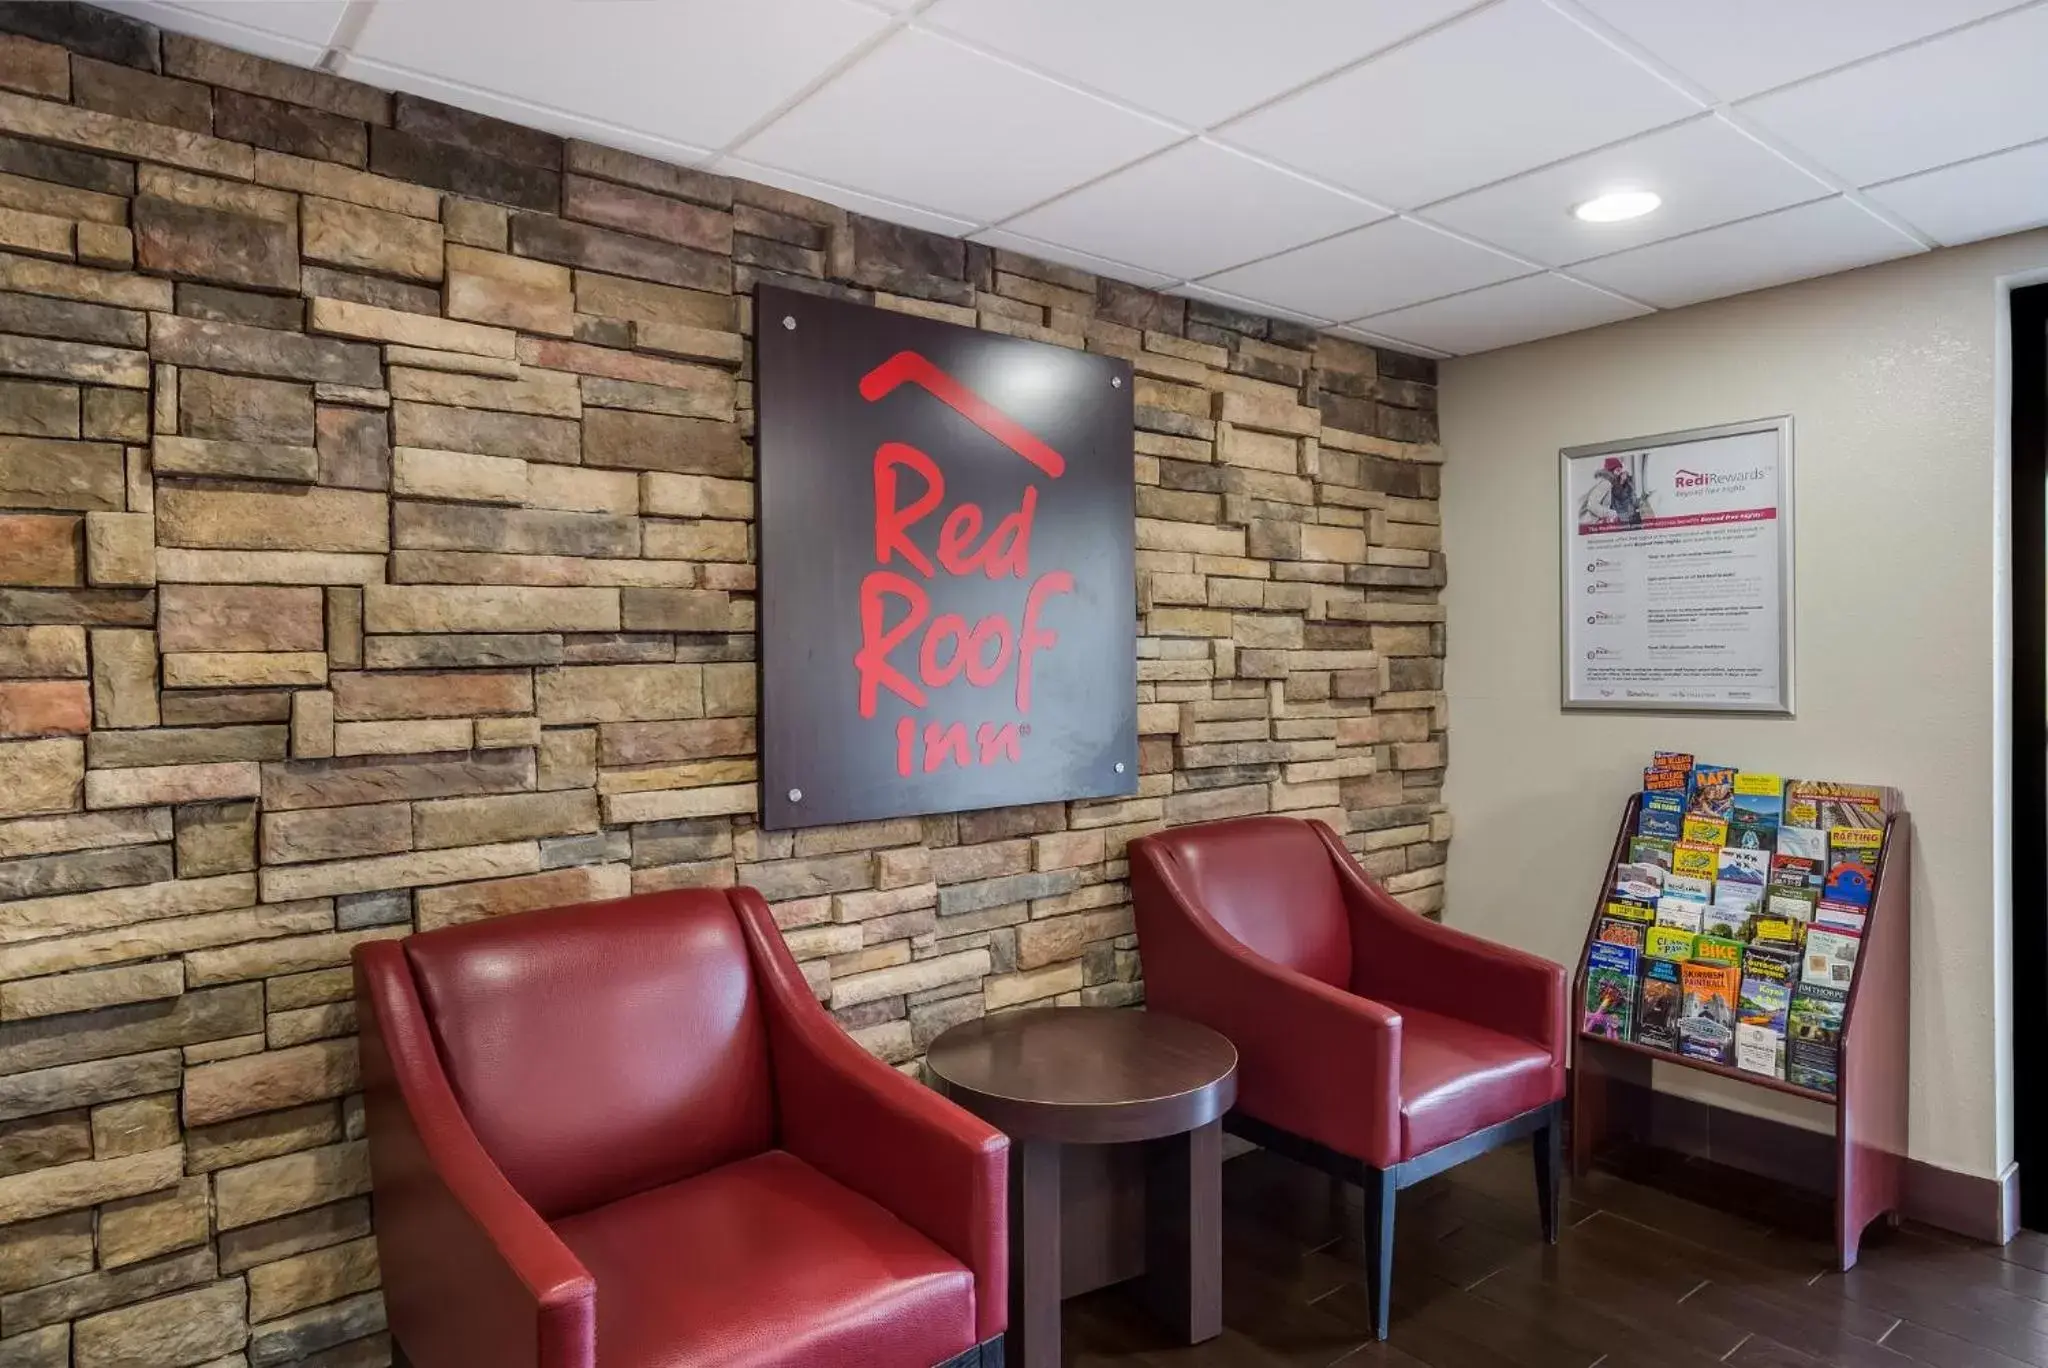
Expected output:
(1548, 1147)
(1379, 1190)
(988, 1354)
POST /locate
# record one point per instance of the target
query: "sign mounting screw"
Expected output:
(1116, 382)
(796, 795)
(1119, 767)
(789, 322)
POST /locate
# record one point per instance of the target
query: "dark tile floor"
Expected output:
(1681, 1274)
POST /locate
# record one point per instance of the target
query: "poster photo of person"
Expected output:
(1617, 494)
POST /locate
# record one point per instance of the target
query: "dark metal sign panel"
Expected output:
(948, 615)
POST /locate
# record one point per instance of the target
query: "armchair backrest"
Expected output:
(1268, 881)
(602, 1050)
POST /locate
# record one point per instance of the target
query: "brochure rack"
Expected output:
(1870, 1105)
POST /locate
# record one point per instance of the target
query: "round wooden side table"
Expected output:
(1061, 1076)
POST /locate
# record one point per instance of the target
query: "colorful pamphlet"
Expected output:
(1768, 932)
(1758, 811)
(1717, 950)
(1747, 896)
(1669, 943)
(1683, 913)
(1669, 772)
(1823, 804)
(1706, 1021)
(1713, 791)
(1624, 910)
(1807, 843)
(1700, 829)
(1610, 990)
(1743, 866)
(1729, 921)
(1666, 781)
(1852, 864)
(1657, 1003)
(1840, 918)
(1620, 932)
(1662, 816)
(1639, 881)
(1813, 1037)
(1797, 871)
(1689, 887)
(1650, 850)
(1695, 861)
(1790, 904)
(1830, 958)
(1760, 1015)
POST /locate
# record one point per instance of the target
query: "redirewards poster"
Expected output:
(948, 606)
(1678, 571)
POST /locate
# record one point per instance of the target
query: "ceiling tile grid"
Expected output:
(286, 30)
(1195, 209)
(1402, 171)
(1448, 111)
(1383, 266)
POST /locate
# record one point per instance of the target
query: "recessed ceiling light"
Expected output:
(1617, 206)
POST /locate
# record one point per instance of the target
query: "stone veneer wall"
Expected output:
(375, 554)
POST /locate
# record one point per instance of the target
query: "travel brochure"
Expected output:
(1733, 918)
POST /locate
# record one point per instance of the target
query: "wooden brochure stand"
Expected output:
(1870, 1106)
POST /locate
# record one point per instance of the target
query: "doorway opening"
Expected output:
(2029, 493)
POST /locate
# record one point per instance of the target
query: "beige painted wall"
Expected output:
(1892, 377)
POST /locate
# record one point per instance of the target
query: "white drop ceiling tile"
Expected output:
(303, 21)
(925, 120)
(1066, 256)
(1502, 315)
(286, 30)
(1739, 48)
(1366, 335)
(1792, 244)
(1708, 172)
(1383, 266)
(2006, 192)
(1243, 305)
(1483, 98)
(562, 122)
(1194, 209)
(1196, 61)
(908, 214)
(695, 72)
(1959, 96)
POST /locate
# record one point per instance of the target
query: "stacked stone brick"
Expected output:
(376, 553)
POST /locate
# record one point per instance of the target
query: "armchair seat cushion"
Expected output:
(766, 1262)
(1457, 1078)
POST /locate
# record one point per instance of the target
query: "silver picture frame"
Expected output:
(1568, 616)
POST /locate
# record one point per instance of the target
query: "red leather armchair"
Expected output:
(1372, 1042)
(626, 1135)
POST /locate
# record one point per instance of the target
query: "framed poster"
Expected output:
(1677, 571)
(948, 601)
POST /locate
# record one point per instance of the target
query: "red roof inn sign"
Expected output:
(948, 614)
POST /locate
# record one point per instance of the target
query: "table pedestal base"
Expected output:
(1184, 1231)
(1182, 1283)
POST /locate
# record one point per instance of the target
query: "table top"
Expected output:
(1087, 1075)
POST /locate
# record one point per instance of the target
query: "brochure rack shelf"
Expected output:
(1611, 1079)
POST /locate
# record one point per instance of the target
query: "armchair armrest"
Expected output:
(1320, 1062)
(472, 1274)
(1405, 956)
(937, 1167)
